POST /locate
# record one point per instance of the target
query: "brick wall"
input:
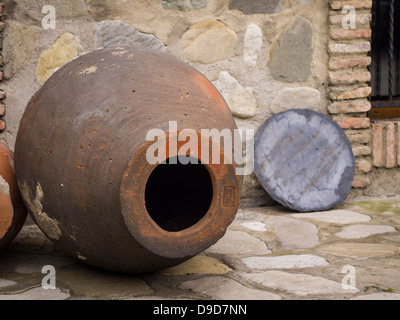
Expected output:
(386, 149)
(349, 81)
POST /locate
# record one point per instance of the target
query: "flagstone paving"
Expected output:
(269, 253)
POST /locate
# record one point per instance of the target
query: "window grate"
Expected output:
(385, 54)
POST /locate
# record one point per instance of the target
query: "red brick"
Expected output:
(338, 5)
(352, 106)
(354, 123)
(357, 47)
(398, 143)
(349, 34)
(342, 63)
(359, 136)
(377, 144)
(390, 145)
(349, 77)
(361, 19)
(358, 93)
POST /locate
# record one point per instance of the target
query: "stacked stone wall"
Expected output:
(264, 56)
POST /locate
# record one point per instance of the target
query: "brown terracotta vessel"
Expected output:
(82, 168)
(12, 209)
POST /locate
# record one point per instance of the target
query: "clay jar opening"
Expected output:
(176, 210)
(178, 193)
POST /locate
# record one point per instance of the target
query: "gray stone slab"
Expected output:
(239, 243)
(296, 98)
(379, 296)
(38, 294)
(304, 160)
(6, 283)
(93, 282)
(256, 6)
(293, 54)
(35, 264)
(183, 5)
(285, 262)
(360, 231)
(335, 216)
(293, 233)
(221, 288)
(360, 250)
(118, 33)
(299, 284)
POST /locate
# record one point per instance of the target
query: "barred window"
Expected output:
(385, 54)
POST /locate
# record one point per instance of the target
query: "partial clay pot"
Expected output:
(12, 209)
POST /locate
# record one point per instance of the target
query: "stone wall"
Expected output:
(265, 56)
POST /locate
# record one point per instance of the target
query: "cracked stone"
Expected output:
(118, 33)
(221, 288)
(239, 243)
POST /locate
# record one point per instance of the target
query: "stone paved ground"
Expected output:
(270, 253)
